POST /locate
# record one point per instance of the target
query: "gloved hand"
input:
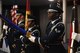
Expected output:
(30, 37)
(74, 35)
(5, 27)
(78, 37)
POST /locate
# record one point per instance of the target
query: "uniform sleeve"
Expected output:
(56, 33)
(52, 36)
(26, 40)
(36, 33)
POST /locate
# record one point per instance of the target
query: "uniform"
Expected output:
(19, 45)
(14, 38)
(52, 40)
(30, 46)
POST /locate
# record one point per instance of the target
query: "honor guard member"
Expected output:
(52, 40)
(15, 42)
(33, 29)
(19, 45)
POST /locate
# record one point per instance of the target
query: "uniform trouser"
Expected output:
(32, 49)
(55, 49)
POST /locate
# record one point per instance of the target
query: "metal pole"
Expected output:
(64, 19)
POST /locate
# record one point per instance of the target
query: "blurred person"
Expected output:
(34, 30)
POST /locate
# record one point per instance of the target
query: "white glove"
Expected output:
(5, 27)
(32, 38)
(77, 38)
(74, 35)
(21, 38)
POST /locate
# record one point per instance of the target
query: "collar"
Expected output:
(31, 28)
(52, 22)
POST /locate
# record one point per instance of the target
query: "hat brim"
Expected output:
(30, 19)
(52, 10)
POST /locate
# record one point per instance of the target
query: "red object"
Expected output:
(27, 5)
(27, 12)
(14, 10)
(71, 30)
(13, 14)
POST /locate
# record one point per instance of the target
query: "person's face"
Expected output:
(30, 23)
(51, 15)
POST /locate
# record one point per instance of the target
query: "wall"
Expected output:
(43, 20)
(69, 16)
(79, 17)
(0, 19)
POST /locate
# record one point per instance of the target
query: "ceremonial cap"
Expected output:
(31, 17)
(55, 8)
